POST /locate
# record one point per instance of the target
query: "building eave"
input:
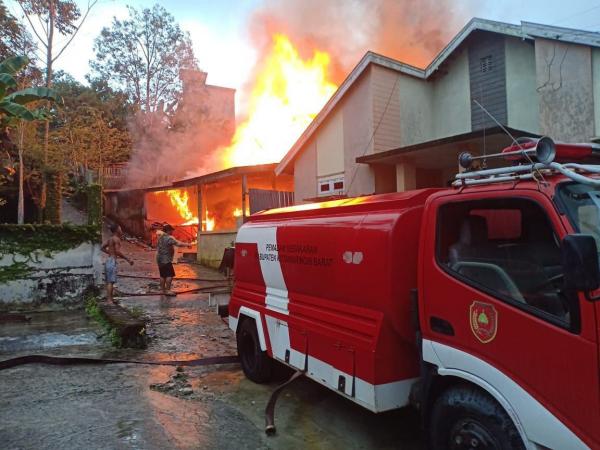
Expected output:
(232, 172)
(380, 157)
(569, 35)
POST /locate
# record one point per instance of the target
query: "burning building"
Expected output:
(141, 211)
(208, 209)
(225, 198)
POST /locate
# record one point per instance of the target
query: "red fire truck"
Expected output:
(475, 303)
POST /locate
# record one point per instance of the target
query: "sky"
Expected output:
(220, 29)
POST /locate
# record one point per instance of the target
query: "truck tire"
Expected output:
(256, 364)
(465, 417)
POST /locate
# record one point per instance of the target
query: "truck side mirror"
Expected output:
(580, 262)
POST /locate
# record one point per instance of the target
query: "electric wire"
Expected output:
(387, 104)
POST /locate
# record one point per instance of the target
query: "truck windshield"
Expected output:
(583, 208)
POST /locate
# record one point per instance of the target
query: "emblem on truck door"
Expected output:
(484, 321)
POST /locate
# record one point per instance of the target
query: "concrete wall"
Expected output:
(358, 129)
(406, 177)
(416, 115)
(330, 145)
(596, 89)
(522, 98)
(211, 246)
(385, 88)
(305, 173)
(57, 282)
(564, 86)
(451, 105)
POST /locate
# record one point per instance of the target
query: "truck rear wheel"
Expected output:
(467, 418)
(256, 364)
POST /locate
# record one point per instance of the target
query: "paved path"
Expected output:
(155, 407)
(71, 214)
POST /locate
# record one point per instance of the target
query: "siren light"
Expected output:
(544, 150)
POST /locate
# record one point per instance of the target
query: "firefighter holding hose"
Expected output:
(165, 251)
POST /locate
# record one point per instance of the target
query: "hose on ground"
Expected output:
(270, 409)
(71, 361)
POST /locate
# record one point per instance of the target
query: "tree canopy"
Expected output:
(143, 55)
(90, 130)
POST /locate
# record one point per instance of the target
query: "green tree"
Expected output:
(53, 16)
(14, 110)
(14, 39)
(89, 130)
(143, 55)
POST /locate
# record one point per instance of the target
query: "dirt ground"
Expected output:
(159, 407)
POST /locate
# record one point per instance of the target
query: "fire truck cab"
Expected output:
(475, 304)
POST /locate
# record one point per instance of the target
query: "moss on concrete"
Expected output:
(48, 239)
(16, 271)
(34, 240)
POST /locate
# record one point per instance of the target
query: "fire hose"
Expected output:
(75, 360)
(270, 409)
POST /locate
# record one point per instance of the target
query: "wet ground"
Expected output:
(160, 407)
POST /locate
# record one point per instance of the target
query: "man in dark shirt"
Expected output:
(165, 250)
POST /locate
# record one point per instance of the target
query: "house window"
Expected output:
(332, 186)
(486, 64)
(325, 187)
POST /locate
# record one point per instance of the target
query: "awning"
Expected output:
(227, 173)
(444, 152)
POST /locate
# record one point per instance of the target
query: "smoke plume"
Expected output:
(412, 31)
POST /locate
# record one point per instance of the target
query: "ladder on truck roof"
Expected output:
(523, 152)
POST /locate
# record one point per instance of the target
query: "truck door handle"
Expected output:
(441, 326)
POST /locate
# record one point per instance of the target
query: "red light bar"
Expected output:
(564, 152)
(574, 152)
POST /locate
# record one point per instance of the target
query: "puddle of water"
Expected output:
(45, 341)
(128, 432)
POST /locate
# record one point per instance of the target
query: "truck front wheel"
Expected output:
(256, 364)
(465, 417)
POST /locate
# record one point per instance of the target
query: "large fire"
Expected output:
(179, 199)
(287, 95)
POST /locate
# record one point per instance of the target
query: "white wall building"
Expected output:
(391, 126)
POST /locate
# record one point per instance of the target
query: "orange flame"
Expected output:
(209, 223)
(237, 212)
(179, 199)
(288, 94)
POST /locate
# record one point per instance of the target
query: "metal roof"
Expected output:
(526, 30)
(389, 155)
(202, 179)
(227, 173)
(164, 187)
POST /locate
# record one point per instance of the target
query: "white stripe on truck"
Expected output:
(377, 398)
(266, 240)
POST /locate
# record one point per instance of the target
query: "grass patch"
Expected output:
(94, 312)
(136, 311)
